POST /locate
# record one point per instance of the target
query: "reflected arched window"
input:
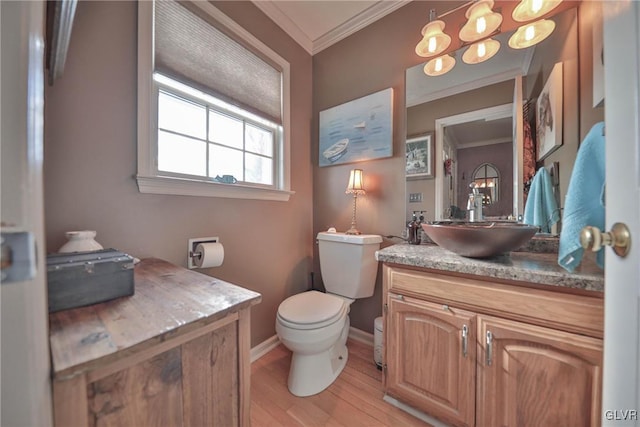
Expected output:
(486, 177)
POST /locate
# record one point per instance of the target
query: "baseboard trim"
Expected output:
(361, 336)
(413, 411)
(270, 343)
(264, 347)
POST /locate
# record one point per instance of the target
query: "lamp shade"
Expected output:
(439, 66)
(528, 10)
(434, 40)
(531, 34)
(481, 21)
(355, 185)
(481, 51)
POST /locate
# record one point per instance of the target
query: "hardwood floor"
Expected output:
(354, 399)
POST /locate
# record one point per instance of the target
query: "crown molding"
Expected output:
(358, 22)
(284, 22)
(484, 143)
(366, 17)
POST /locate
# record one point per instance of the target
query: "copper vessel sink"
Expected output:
(479, 239)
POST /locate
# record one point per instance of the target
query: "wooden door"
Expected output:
(429, 366)
(530, 376)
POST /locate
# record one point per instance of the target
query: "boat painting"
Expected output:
(357, 130)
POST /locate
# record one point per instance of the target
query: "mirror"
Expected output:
(479, 114)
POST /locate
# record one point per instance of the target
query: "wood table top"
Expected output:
(169, 301)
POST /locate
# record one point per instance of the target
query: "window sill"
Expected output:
(187, 187)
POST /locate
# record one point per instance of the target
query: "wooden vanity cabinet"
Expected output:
(431, 359)
(533, 356)
(535, 376)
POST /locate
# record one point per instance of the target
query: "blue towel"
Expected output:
(584, 202)
(541, 208)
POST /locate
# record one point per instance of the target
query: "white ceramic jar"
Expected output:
(80, 241)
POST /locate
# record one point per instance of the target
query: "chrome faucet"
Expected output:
(474, 204)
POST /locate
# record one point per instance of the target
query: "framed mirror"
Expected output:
(487, 105)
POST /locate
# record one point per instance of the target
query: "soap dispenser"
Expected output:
(419, 228)
(413, 230)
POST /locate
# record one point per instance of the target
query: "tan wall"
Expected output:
(588, 13)
(90, 163)
(370, 60)
(565, 50)
(578, 114)
(422, 118)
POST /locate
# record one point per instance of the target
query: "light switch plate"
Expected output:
(415, 197)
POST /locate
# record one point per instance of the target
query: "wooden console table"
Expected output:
(176, 353)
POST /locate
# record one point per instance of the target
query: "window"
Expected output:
(486, 177)
(213, 114)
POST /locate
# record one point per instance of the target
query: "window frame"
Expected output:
(211, 104)
(148, 178)
(496, 180)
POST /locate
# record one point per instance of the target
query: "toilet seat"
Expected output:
(311, 310)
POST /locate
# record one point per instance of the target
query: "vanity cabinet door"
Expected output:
(533, 376)
(431, 363)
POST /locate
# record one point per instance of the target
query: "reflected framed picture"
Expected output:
(419, 156)
(549, 114)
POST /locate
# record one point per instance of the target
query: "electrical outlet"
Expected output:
(415, 197)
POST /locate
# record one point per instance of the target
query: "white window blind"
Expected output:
(189, 48)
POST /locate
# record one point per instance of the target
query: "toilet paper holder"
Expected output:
(191, 249)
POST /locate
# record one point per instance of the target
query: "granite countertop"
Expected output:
(169, 301)
(530, 267)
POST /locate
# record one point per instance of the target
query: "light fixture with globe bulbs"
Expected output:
(483, 22)
(481, 51)
(528, 10)
(531, 34)
(434, 40)
(439, 66)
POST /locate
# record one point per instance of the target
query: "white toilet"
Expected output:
(315, 325)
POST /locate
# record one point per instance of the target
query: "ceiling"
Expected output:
(316, 25)
(480, 132)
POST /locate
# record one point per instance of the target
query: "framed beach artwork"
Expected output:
(549, 114)
(358, 130)
(419, 156)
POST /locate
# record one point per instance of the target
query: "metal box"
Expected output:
(83, 278)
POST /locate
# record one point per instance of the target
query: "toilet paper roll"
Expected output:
(212, 255)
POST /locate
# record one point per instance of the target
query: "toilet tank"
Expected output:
(347, 263)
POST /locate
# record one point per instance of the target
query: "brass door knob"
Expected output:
(619, 238)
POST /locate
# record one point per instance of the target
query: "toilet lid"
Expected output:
(311, 309)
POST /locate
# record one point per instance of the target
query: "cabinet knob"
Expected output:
(619, 238)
